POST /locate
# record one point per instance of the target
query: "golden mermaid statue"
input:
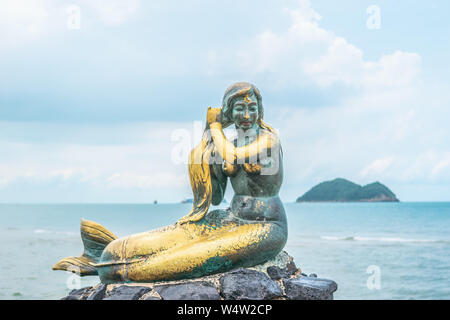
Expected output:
(250, 232)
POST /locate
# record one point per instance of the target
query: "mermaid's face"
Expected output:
(245, 112)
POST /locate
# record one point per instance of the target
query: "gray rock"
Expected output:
(70, 297)
(188, 291)
(78, 294)
(276, 273)
(291, 268)
(244, 284)
(282, 260)
(151, 295)
(98, 293)
(309, 288)
(125, 292)
(254, 283)
(150, 298)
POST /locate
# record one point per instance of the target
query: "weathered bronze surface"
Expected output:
(251, 231)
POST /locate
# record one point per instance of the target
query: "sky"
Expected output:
(101, 101)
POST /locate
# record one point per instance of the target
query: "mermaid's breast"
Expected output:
(231, 170)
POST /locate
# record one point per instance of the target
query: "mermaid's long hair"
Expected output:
(201, 156)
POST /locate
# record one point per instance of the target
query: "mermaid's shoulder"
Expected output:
(272, 134)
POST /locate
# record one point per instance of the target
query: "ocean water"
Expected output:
(372, 250)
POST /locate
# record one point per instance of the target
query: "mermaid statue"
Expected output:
(251, 231)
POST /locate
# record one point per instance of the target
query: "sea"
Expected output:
(372, 250)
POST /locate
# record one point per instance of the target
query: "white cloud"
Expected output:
(371, 135)
(428, 167)
(22, 20)
(157, 180)
(78, 174)
(342, 63)
(113, 11)
(442, 166)
(37, 173)
(377, 167)
(3, 182)
(397, 137)
(306, 53)
(142, 161)
(394, 70)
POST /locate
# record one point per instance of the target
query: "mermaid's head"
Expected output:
(240, 91)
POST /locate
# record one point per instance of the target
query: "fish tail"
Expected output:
(95, 238)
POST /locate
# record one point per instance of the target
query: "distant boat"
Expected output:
(155, 202)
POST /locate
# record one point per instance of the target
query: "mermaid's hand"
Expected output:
(252, 168)
(214, 115)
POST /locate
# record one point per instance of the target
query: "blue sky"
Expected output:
(95, 113)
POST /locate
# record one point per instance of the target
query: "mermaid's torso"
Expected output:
(248, 209)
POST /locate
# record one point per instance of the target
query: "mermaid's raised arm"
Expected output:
(265, 142)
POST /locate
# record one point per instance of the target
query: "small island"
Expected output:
(342, 190)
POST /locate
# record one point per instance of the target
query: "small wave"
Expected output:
(41, 231)
(394, 239)
(67, 233)
(380, 239)
(331, 238)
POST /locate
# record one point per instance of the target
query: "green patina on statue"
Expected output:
(251, 231)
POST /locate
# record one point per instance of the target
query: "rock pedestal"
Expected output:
(277, 279)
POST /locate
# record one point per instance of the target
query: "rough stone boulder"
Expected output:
(277, 279)
(309, 288)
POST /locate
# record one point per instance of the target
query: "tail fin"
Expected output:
(95, 238)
